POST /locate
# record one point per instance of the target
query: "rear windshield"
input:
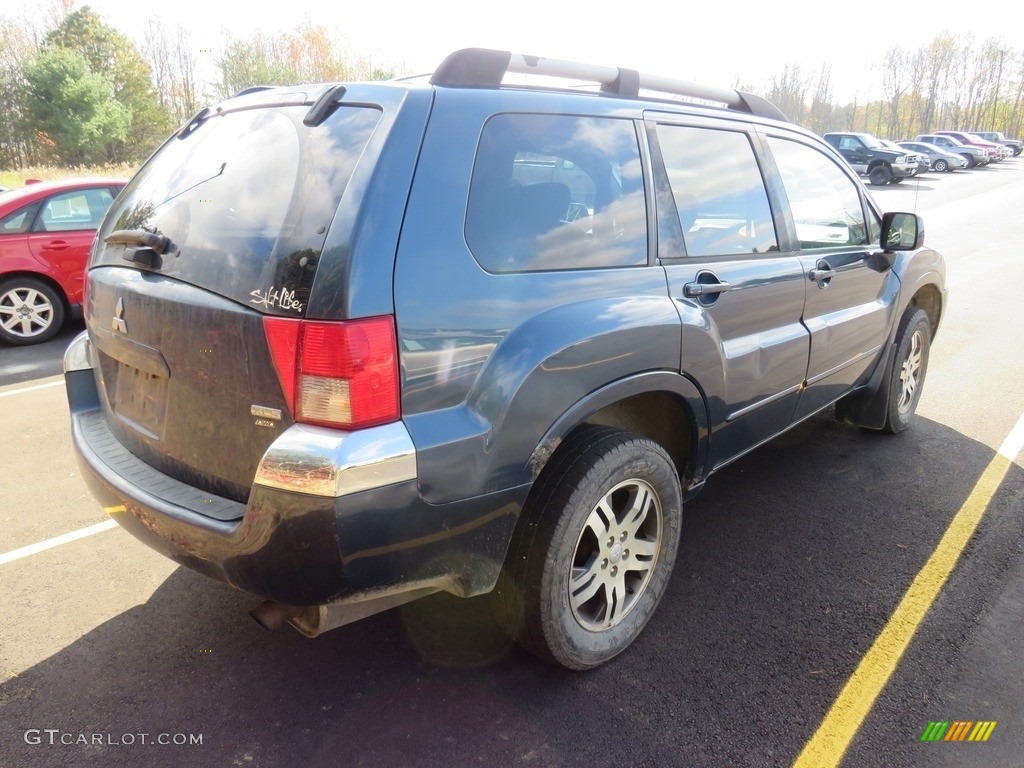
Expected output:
(246, 199)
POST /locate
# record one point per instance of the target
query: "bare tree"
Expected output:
(895, 82)
(997, 61)
(938, 61)
(820, 116)
(171, 56)
(14, 48)
(788, 92)
(1013, 124)
(308, 53)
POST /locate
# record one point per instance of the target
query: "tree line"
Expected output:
(76, 91)
(951, 83)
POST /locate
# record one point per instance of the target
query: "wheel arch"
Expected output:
(667, 408)
(863, 408)
(929, 298)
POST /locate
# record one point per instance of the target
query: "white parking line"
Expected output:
(81, 533)
(1014, 442)
(31, 389)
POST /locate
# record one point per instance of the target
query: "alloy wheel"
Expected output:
(615, 555)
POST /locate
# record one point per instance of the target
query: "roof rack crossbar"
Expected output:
(485, 68)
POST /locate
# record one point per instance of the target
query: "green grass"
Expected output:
(17, 178)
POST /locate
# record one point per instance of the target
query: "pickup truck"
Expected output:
(999, 138)
(869, 157)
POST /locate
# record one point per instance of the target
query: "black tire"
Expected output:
(31, 312)
(575, 527)
(970, 160)
(913, 343)
(896, 179)
(880, 175)
(941, 165)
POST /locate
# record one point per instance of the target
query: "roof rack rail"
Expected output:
(486, 68)
(252, 89)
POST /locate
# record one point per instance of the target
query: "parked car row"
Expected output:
(868, 156)
(890, 162)
(971, 147)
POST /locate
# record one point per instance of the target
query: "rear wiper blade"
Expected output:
(151, 240)
(148, 246)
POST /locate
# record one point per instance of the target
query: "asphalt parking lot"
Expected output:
(794, 560)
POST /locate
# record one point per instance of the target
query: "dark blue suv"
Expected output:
(348, 345)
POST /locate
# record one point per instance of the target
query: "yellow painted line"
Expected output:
(830, 742)
(56, 541)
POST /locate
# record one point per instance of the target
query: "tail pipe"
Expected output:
(272, 615)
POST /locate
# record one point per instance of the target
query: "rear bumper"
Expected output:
(332, 516)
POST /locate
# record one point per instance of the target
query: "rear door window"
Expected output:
(718, 189)
(75, 210)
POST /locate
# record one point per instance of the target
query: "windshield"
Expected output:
(870, 141)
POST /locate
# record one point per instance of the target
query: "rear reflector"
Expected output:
(342, 374)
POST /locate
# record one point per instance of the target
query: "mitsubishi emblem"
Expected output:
(118, 323)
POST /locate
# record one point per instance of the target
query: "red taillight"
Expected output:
(337, 374)
(283, 340)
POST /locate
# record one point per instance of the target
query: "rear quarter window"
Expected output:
(555, 192)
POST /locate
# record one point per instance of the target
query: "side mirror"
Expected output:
(902, 232)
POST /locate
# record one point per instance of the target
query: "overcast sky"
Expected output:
(718, 43)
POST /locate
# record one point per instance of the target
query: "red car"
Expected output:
(46, 230)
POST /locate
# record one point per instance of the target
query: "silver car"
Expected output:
(973, 155)
(941, 160)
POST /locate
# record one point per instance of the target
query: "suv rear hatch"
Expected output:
(201, 273)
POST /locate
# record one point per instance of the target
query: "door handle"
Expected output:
(693, 290)
(822, 273)
(55, 245)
